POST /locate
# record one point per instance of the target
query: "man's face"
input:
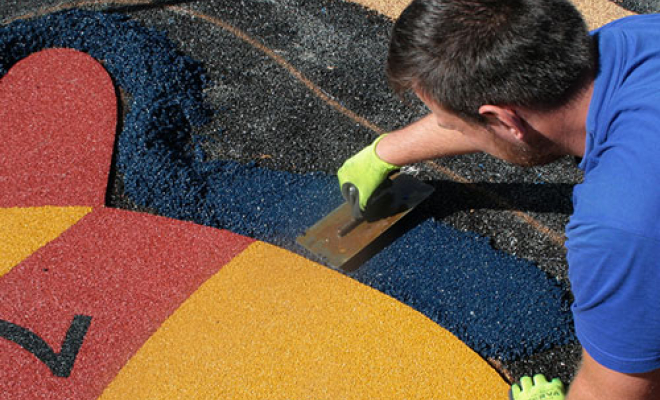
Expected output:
(495, 139)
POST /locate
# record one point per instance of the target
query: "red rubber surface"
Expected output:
(58, 125)
(128, 271)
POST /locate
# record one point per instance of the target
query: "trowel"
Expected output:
(348, 232)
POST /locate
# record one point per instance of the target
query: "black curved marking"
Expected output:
(60, 363)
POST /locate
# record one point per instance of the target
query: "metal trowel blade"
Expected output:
(339, 237)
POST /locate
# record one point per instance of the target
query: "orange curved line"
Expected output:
(282, 62)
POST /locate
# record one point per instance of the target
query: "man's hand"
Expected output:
(366, 172)
(538, 389)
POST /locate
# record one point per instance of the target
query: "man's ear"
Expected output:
(504, 121)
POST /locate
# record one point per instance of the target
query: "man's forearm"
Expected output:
(595, 382)
(422, 140)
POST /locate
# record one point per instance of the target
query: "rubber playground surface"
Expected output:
(159, 160)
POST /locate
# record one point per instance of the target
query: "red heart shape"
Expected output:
(58, 123)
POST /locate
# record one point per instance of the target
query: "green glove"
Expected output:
(365, 171)
(540, 389)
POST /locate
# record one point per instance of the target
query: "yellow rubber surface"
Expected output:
(390, 8)
(599, 12)
(596, 12)
(273, 325)
(24, 230)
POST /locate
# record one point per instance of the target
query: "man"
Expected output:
(523, 80)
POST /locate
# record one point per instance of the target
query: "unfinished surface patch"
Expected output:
(24, 230)
(273, 325)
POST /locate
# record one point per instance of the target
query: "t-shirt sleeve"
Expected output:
(615, 277)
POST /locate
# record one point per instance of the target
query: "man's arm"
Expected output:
(423, 140)
(596, 382)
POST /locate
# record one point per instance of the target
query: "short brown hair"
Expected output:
(466, 53)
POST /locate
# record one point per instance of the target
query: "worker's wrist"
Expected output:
(381, 153)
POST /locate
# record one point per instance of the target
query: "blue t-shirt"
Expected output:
(614, 234)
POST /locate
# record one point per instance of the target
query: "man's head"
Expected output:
(466, 55)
